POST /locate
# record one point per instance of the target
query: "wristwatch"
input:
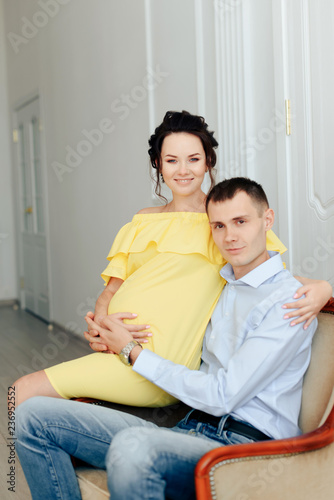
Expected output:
(124, 355)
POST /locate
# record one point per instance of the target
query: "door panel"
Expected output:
(32, 237)
(307, 42)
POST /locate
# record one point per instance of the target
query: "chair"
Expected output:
(299, 468)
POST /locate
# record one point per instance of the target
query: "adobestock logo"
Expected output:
(322, 252)
(40, 358)
(30, 28)
(265, 136)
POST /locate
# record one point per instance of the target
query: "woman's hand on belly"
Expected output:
(97, 342)
(115, 336)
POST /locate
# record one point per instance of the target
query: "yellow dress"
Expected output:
(170, 267)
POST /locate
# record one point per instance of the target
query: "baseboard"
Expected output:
(9, 303)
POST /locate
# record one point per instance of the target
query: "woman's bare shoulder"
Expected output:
(150, 210)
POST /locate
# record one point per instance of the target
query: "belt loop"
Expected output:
(221, 425)
(188, 415)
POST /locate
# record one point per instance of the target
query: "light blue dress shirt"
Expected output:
(253, 361)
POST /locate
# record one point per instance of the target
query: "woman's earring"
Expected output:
(162, 178)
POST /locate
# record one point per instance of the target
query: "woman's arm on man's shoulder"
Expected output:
(317, 293)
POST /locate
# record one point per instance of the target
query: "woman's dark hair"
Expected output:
(173, 122)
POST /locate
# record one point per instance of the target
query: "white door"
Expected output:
(304, 46)
(34, 286)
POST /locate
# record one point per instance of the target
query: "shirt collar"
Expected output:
(257, 276)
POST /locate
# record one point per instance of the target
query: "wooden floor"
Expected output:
(27, 345)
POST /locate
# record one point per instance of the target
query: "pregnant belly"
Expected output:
(175, 300)
(152, 309)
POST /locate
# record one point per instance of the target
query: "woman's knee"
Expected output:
(33, 384)
(25, 387)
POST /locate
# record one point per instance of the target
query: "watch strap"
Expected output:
(124, 355)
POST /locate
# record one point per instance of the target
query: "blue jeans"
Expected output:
(142, 461)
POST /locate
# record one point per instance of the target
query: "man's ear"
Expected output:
(269, 217)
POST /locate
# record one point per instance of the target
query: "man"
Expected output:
(248, 387)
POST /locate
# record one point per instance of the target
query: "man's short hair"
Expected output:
(227, 189)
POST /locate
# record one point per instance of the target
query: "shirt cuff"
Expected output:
(147, 363)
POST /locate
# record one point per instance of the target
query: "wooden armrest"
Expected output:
(319, 438)
(329, 307)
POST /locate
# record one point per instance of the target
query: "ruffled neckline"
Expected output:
(177, 232)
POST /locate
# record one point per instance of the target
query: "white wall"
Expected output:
(8, 278)
(88, 57)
